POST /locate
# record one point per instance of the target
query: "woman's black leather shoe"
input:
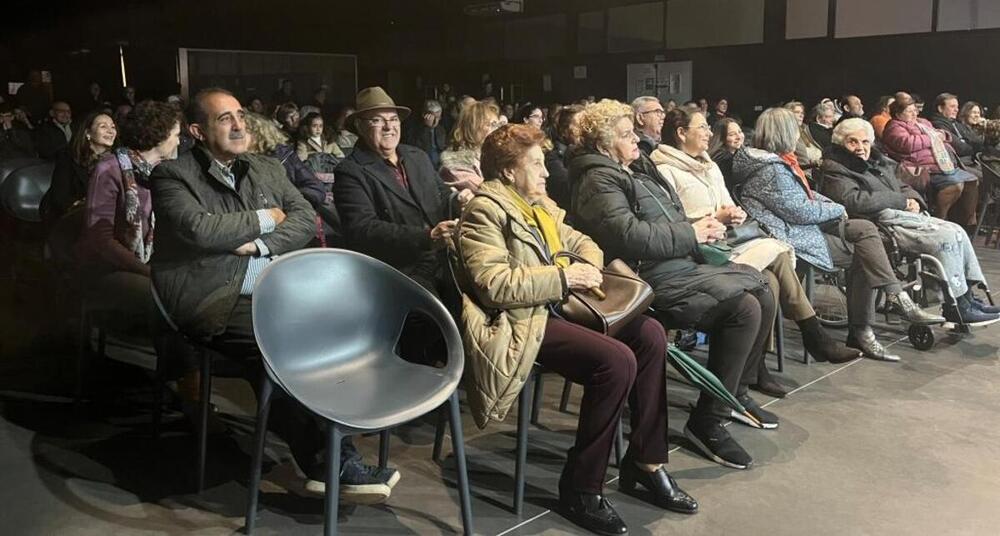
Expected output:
(666, 493)
(592, 512)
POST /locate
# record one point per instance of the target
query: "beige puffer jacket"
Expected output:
(697, 181)
(505, 305)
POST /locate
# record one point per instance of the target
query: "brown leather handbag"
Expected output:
(622, 297)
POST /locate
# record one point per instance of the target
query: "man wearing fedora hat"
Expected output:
(392, 203)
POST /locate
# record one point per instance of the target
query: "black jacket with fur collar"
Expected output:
(864, 187)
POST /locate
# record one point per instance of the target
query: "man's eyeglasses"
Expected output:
(379, 122)
(654, 112)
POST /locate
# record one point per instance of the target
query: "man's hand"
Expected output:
(277, 215)
(708, 230)
(912, 206)
(443, 230)
(247, 250)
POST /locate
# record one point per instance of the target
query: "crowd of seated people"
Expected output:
(510, 191)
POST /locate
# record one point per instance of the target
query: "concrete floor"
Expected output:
(866, 448)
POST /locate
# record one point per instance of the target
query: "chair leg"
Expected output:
(536, 400)
(458, 443)
(810, 292)
(158, 386)
(383, 449)
(334, 437)
(779, 339)
(523, 416)
(83, 353)
(442, 421)
(564, 398)
(204, 401)
(619, 444)
(260, 437)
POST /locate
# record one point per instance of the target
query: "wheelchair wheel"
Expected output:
(830, 302)
(921, 337)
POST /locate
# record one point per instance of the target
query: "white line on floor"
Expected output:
(766, 404)
(523, 523)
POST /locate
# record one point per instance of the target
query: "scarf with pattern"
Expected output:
(134, 169)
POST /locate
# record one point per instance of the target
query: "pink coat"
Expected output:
(906, 143)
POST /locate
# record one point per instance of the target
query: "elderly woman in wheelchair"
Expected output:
(862, 182)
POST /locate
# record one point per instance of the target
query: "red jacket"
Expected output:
(907, 143)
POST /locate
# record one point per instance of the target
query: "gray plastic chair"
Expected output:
(327, 322)
(8, 166)
(23, 189)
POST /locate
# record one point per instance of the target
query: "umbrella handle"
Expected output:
(753, 419)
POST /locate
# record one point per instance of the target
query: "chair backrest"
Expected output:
(9, 165)
(321, 315)
(21, 194)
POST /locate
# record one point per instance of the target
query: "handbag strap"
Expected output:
(658, 203)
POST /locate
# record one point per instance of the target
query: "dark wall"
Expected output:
(429, 42)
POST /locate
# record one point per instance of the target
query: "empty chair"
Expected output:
(23, 189)
(8, 166)
(327, 322)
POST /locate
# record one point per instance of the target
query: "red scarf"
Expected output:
(793, 162)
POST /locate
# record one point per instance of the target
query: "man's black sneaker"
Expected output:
(712, 439)
(360, 483)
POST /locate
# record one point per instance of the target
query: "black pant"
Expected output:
(738, 328)
(630, 366)
(860, 250)
(291, 421)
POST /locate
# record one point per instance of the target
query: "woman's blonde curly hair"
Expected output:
(597, 122)
(264, 134)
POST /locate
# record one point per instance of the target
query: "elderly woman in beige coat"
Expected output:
(508, 244)
(684, 162)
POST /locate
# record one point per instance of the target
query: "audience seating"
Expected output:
(21, 192)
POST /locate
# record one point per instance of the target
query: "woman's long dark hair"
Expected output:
(79, 147)
(717, 145)
(305, 128)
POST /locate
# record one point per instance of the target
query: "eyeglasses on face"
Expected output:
(379, 122)
(658, 112)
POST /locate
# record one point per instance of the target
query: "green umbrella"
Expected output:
(703, 379)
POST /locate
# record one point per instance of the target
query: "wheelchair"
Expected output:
(916, 270)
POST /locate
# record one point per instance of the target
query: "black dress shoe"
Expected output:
(666, 493)
(592, 512)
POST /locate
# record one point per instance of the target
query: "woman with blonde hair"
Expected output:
(632, 212)
(460, 167)
(267, 139)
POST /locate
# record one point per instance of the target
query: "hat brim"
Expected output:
(403, 112)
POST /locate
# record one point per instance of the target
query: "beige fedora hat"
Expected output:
(375, 98)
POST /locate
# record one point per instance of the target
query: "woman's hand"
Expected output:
(708, 230)
(582, 276)
(912, 206)
(731, 215)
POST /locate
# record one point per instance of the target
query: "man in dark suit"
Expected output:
(392, 204)
(54, 134)
(429, 134)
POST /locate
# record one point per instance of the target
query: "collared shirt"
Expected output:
(400, 172)
(267, 225)
(66, 130)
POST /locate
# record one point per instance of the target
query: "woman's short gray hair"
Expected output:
(777, 131)
(850, 126)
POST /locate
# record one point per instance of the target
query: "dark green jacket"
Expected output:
(200, 220)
